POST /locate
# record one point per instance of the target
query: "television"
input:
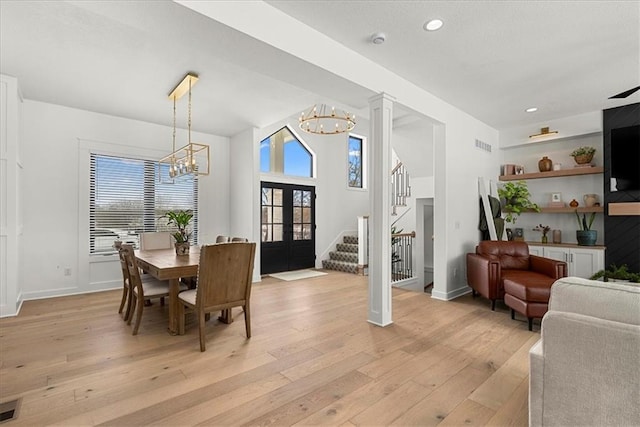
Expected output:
(625, 158)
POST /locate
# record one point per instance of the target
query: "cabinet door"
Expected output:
(560, 254)
(585, 262)
(536, 250)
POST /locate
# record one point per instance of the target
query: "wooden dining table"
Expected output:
(164, 264)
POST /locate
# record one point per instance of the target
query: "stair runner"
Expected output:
(345, 257)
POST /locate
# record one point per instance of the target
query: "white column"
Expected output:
(381, 110)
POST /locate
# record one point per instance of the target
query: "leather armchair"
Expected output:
(497, 261)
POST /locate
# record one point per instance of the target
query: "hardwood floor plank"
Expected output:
(313, 359)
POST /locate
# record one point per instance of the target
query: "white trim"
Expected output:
(448, 296)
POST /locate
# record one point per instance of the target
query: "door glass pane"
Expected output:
(297, 231)
(306, 215)
(266, 233)
(277, 233)
(297, 198)
(277, 197)
(297, 215)
(277, 215)
(306, 232)
(266, 196)
(306, 199)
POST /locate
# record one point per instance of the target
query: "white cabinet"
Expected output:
(581, 261)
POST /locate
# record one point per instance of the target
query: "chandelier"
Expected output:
(321, 120)
(193, 158)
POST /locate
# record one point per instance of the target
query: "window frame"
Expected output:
(279, 176)
(152, 189)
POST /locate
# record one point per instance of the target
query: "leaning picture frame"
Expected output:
(556, 197)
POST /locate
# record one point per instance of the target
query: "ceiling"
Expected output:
(491, 59)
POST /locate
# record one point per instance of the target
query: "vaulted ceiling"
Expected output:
(490, 59)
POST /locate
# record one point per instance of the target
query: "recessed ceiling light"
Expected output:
(531, 110)
(433, 25)
(378, 38)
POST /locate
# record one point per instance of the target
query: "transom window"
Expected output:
(126, 199)
(283, 153)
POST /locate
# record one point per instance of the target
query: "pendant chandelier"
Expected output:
(193, 158)
(324, 121)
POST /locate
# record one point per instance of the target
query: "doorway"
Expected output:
(288, 229)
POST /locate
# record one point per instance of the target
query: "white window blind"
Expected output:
(126, 199)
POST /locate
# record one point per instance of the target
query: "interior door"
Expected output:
(288, 227)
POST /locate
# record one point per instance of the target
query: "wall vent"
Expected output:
(9, 410)
(483, 146)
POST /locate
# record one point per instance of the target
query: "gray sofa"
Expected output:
(585, 369)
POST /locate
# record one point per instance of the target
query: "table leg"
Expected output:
(225, 316)
(174, 288)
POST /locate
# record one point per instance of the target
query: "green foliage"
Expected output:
(582, 223)
(516, 196)
(181, 220)
(583, 151)
(618, 273)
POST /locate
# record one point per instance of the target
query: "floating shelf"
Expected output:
(567, 209)
(552, 174)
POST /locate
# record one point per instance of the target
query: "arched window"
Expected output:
(282, 153)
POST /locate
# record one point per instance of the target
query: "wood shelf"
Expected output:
(567, 209)
(553, 174)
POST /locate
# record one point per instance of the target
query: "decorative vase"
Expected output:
(586, 237)
(590, 200)
(182, 248)
(544, 239)
(557, 236)
(574, 203)
(545, 164)
(583, 159)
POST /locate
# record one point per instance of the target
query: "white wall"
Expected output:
(57, 142)
(337, 205)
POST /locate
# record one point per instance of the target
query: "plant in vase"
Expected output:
(516, 200)
(180, 219)
(545, 229)
(583, 155)
(614, 273)
(584, 234)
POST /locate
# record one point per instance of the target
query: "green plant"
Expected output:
(582, 223)
(583, 151)
(618, 273)
(516, 196)
(181, 220)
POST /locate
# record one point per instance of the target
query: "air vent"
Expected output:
(483, 146)
(9, 410)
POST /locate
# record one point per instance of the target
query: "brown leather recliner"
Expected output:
(528, 277)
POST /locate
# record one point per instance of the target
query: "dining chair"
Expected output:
(155, 240)
(223, 239)
(126, 288)
(239, 239)
(224, 281)
(142, 289)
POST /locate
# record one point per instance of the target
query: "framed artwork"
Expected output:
(556, 197)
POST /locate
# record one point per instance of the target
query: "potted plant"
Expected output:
(583, 155)
(585, 235)
(180, 219)
(516, 200)
(545, 229)
(617, 274)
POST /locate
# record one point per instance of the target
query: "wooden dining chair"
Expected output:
(223, 239)
(155, 240)
(239, 239)
(140, 290)
(224, 281)
(126, 287)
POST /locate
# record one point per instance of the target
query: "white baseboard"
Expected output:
(448, 296)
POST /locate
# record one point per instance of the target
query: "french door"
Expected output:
(288, 227)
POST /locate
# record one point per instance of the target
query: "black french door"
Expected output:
(288, 227)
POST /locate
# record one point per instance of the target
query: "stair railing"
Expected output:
(402, 256)
(400, 187)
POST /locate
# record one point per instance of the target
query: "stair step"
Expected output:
(344, 256)
(347, 247)
(347, 267)
(350, 239)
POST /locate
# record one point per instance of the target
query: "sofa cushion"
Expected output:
(527, 285)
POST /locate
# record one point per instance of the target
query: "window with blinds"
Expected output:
(126, 200)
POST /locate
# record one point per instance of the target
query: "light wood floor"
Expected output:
(313, 359)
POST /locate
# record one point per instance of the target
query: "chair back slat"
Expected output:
(155, 240)
(225, 273)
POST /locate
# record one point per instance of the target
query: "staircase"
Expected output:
(345, 257)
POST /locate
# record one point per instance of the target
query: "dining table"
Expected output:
(164, 264)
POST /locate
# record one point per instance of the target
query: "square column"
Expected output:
(379, 310)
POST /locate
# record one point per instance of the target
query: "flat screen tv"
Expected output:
(625, 159)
